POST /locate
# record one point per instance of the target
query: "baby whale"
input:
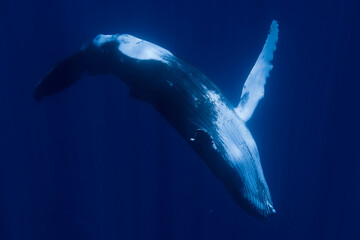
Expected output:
(189, 101)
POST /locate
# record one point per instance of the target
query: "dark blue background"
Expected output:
(93, 163)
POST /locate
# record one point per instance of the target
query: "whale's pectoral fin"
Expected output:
(253, 89)
(61, 76)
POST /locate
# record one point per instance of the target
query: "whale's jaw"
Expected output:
(226, 145)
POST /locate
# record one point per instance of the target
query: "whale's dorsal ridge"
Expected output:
(253, 89)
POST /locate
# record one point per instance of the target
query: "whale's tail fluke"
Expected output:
(253, 89)
(61, 76)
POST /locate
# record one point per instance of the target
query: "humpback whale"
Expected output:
(190, 102)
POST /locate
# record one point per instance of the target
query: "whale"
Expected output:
(214, 128)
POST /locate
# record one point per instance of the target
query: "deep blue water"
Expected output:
(93, 163)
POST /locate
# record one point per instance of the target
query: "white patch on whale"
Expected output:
(134, 47)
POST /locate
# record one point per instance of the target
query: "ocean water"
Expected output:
(93, 163)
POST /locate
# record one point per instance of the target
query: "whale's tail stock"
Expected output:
(61, 76)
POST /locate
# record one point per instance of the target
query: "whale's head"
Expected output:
(246, 181)
(232, 156)
(230, 151)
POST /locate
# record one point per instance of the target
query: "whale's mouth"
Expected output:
(257, 207)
